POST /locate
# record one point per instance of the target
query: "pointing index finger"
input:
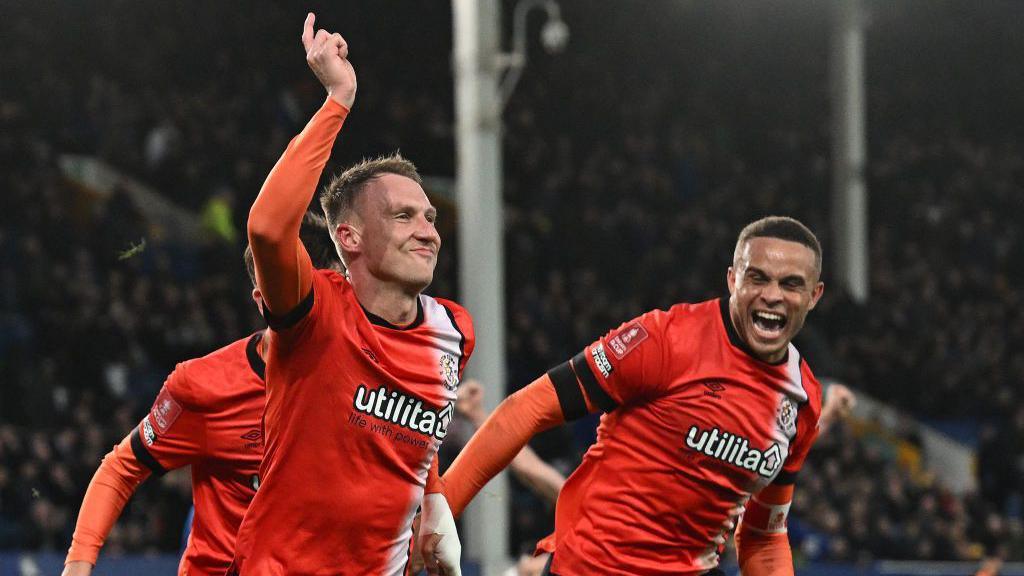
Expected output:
(307, 31)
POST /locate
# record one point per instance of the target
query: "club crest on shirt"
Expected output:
(449, 371)
(786, 416)
(627, 339)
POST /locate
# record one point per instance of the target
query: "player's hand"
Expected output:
(438, 540)
(327, 56)
(839, 402)
(470, 402)
(531, 565)
(77, 568)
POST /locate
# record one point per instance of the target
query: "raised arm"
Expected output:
(283, 270)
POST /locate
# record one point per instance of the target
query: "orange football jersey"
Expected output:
(694, 426)
(209, 415)
(356, 409)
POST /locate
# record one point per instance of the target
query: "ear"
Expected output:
(819, 289)
(348, 237)
(257, 297)
(730, 280)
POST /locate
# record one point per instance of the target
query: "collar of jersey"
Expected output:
(734, 337)
(252, 352)
(378, 321)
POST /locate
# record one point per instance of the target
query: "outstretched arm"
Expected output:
(283, 270)
(542, 478)
(110, 488)
(518, 418)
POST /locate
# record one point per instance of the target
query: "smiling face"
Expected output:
(773, 283)
(398, 241)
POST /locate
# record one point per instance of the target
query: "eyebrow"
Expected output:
(790, 278)
(430, 210)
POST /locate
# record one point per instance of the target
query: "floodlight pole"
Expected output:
(481, 236)
(849, 151)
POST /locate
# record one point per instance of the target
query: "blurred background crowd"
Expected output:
(631, 162)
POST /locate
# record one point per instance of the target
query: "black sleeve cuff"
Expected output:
(570, 397)
(286, 321)
(143, 455)
(586, 376)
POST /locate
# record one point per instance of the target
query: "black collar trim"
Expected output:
(734, 337)
(378, 321)
(252, 352)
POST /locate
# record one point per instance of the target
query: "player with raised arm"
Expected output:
(208, 415)
(362, 369)
(709, 410)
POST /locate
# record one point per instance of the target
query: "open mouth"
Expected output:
(768, 324)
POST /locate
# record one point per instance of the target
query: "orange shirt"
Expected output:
(208, 415)
(356, 409)
(694, 426)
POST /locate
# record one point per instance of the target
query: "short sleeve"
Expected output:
(173, 434)
(626, 364)
(299, 320)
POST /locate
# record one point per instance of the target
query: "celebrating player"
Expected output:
(208, 414)
(362, 369)
(709, 409)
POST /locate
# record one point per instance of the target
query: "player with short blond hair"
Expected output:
(362, 369)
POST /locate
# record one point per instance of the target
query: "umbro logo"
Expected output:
(713, 388)
(253, 439)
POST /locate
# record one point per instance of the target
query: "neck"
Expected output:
(261, 347)
(394, 303)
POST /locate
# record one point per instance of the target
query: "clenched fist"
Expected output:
(327, 56)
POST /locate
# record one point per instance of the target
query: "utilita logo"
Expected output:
(406, 411)
(735, 450)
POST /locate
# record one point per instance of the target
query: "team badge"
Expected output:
(449, 371)
(786, 417)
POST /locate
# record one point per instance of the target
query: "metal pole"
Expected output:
(481, 236)
(849, 151)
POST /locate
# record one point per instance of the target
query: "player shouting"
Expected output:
(362, 369)
(208, 415)
(708, 407)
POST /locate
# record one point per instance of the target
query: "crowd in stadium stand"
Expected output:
(651, 178)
